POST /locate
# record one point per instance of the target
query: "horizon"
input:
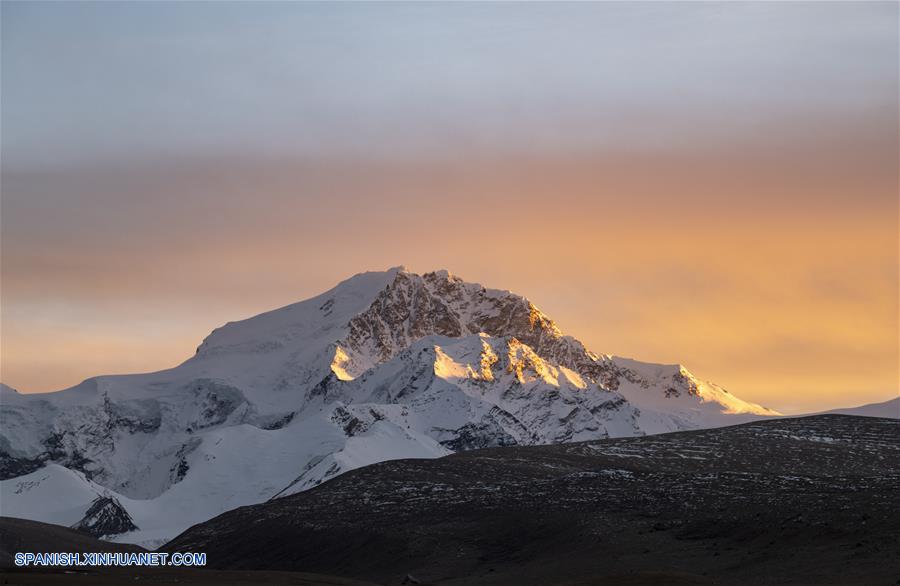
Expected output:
(713, 185)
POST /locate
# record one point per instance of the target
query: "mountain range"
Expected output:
(386, 365)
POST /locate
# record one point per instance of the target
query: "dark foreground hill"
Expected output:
(21, 535)
(24, 535)
(811, 500)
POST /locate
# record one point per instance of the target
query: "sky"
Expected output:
(708, 183)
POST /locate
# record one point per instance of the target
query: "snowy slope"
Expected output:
(685, 402)
(53, 494)
(889, 409)
(386, 365)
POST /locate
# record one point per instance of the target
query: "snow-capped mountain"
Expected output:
(386, 365)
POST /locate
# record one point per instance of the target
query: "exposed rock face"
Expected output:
(105, 517)
(414, 306)
(11, 467)
(484, 434)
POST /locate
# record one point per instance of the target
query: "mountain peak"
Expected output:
(442, 275)
(412, 306)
